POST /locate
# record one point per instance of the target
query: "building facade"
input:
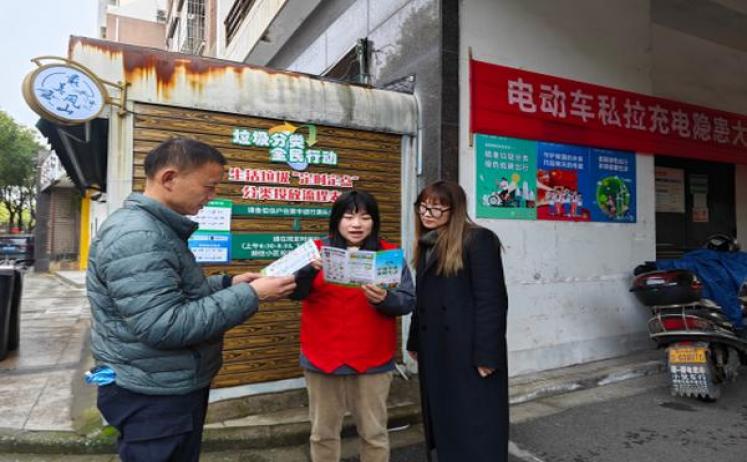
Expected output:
(192, 27)
(69, 212)
(409, 46)
(137, 22)
(512, 99)
(56, 233)
(568, 279)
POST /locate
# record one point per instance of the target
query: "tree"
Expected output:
(18, 172)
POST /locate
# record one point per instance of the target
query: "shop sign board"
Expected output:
(553, 181)
(285, 143)
(264, 246)
(272, 204)
(67, 94)
(528, 105)
(254, 210)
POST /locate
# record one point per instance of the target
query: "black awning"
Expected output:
(82, 150)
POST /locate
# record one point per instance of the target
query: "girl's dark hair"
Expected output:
(353, 202)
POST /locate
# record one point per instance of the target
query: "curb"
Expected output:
(214, 439)
(584, 376)
(68, 281)
(269, 436)
(47, 442)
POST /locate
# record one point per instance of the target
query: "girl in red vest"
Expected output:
(349, 338)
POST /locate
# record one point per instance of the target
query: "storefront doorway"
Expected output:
(694, 199)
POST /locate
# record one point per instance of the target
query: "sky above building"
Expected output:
(32, 28)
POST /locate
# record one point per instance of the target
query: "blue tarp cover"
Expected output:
(722, 273)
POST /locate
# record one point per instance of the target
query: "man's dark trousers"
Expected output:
(155, 428)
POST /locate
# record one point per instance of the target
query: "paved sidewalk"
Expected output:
(37, 379)
(41, 390)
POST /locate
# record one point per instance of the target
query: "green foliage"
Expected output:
(18, 152)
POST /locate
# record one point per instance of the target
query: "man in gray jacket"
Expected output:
(158, 322)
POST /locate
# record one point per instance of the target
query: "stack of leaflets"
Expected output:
(359, 267)
(293, 260)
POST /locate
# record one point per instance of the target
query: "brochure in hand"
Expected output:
(355, 268)
(293, 260)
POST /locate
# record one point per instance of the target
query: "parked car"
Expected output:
(17, 247)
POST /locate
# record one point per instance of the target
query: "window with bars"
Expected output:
(195, 27)
(236, 16)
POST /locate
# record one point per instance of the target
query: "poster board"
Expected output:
(535, 180)
(266, 347)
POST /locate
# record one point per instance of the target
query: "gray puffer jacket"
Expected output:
(157, 320)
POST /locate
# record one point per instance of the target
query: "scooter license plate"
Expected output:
(687, 355)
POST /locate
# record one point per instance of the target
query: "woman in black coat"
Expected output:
(458, 330)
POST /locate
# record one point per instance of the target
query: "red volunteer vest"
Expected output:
(339, 326)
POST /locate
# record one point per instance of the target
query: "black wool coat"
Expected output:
(460, 323)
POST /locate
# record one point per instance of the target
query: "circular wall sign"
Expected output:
(64, 94)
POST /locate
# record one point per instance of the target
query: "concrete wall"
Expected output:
(145, 10)
(406, 39)
(568, 282)
(135, 31)
(251, 30)
(222, 7)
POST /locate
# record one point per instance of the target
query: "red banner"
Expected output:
(512, 102)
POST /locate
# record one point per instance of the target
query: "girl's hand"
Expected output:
(485, 371)
(374, 294)
(316, 264)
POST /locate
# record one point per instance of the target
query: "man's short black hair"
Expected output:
(182, 154)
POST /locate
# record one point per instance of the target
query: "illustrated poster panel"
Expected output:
(613, 181)
(563, 183)
(505, 182)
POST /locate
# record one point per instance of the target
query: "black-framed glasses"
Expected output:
(435, 212)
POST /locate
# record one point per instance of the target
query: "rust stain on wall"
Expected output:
(146, 63)
(169, 78)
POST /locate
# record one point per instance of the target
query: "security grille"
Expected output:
(195, 36)
(236, 16)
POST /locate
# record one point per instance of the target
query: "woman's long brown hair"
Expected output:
(449, 244)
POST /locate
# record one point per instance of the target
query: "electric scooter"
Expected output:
(704, 349)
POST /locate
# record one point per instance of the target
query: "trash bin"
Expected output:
(7, 281)
(14, 330)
